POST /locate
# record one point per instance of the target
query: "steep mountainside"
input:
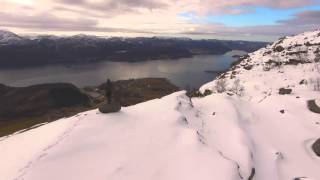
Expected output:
(16, 51)
(258, 121)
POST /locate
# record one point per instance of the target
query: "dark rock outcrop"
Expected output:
(299, 178)
(279, 49)
(248, 67)
(296, 62)
(316, 147)
(109, 108)
(284, 91)
(253, 172)
(303, 81)
(312, 106)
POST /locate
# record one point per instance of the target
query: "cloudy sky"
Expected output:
(223, 19)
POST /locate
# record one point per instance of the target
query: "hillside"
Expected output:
(24, 107)
(17, 51)
(257, 121)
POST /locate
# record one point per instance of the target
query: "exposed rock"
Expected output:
(312, 106)
(230, 94)
(282, 111)
(280, 40)
(234, 72)
(299, 178)
(253, 172)
(316, 147)
(248, 67)
(267, 52)
(296, 53)
(197, 93)
(194, 93)
(303, 81)
(308, 44)
(279, 48)
(273, 62)
(207, 92)
(312, 44)
(284, 91)
(266, 68)
(109, 108)
(296, 62)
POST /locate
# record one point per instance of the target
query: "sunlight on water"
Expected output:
(182, 72)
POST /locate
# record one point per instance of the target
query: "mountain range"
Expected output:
(21, 51)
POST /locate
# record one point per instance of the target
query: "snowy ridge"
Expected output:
(9, 38)
(245, 130)
(281, 125)
(285, 63)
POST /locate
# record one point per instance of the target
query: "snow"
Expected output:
(257, 133)
(136, 143)
(8, 38)
(18, 152)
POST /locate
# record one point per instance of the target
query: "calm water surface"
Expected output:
(184, 72)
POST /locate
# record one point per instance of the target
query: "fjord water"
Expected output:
(183, 72)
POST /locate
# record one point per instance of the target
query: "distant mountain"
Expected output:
(9, 38)
(18, 51)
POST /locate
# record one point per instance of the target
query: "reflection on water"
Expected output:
(182, 72)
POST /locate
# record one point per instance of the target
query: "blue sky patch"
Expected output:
(253, 16)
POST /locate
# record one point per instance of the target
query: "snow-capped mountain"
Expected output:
(22, 51)
(9, 38)
(259, 121)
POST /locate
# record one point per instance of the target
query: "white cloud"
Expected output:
(151, 17)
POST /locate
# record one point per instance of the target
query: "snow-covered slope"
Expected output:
(9, 38)
(246, 131)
